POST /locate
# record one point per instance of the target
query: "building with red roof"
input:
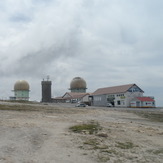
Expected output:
(121, 96)
(143, 102)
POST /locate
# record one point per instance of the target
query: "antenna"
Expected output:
(48, 77)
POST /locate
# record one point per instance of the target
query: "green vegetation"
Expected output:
(91, 128)
(101, 147)
(159, 151)
(92, 142)
(17, 107)
(109, 151)
(102, 158)
(153, 116)
(104, 135)
(95, 144)
(126, 145)
(156, 152)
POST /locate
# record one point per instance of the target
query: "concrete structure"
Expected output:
(46, 91)
(118, 96)
(78, 84)
(21, 90)
(143, 102)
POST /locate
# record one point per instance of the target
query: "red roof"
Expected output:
(145, 99)
(113, 90)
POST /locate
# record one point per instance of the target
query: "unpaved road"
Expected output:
(40, 134)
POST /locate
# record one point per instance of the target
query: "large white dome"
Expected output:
(21, 85)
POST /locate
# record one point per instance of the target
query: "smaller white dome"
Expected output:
(78, 83)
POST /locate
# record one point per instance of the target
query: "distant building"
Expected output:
(21, 90)
(73, 97)
(78, 93)
(118, 96)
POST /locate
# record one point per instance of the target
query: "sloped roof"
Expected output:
(75, 95)
(143, 99)
(113, 90)
(57, 98)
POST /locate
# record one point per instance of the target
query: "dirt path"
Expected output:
(44, 136)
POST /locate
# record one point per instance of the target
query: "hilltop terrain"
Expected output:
(61, 133)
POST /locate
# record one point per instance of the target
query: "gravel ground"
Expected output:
(38, 133)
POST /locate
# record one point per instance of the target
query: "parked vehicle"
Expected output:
(81, 105)
(109, 105)
(73, 101)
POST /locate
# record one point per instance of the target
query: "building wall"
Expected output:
(85, 99)
(22, 95)
(120, 99)
(78, 90)
(131, 95)
(99, 100)
(148, 104)
(137, 103)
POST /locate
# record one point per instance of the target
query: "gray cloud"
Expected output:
(106, 42)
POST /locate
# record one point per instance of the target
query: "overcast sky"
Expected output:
(106, 42)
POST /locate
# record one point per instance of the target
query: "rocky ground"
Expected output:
(38, 133)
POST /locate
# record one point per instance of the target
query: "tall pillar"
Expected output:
(46, 91)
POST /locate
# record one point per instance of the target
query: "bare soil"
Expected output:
(38, 133)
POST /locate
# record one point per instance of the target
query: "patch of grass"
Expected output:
(102, 158)
(92, 142)
(104, 135)
(159, 151)
(156, 152)
(109, 151)
(91, 128)
(126, 145)
(95, 145)
(15, 107)
(101, 147)
(158, 117)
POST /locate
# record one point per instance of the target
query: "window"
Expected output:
(134, 89)
(118, 102)
(97, 98)
(120, 95)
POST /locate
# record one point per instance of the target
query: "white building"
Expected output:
(21, 90)
(118, 96)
